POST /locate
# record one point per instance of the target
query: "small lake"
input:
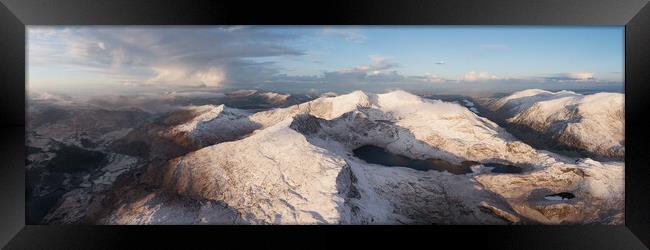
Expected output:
(377, 155)
(503, 168)
(560, 196)
(380, 156)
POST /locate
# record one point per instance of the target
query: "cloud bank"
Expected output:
(240, 57)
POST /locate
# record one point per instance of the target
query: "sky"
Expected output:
(305, 59)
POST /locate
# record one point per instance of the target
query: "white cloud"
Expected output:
(211, 77)
(433, 78)
(379, 64)
(478, 76)
(581, 75)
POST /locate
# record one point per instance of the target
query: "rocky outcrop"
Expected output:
(597, 188)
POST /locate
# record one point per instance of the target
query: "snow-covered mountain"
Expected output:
(212, 124)
(296, 165)
(200, 126)
(275, 98)
(594, 123)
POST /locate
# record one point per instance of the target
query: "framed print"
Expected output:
(503, 121)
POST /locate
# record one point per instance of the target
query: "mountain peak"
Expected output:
(398, 98)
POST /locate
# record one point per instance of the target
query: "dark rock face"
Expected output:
(346, 183)
(306, 124)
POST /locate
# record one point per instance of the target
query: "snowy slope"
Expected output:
(209, 124)
(594, 122)
(213, 124)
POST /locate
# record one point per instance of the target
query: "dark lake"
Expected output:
(380, 156)
(560, 196)
(503, 168)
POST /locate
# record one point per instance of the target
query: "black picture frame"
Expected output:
(16, 14)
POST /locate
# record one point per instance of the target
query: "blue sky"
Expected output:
(319, 58)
